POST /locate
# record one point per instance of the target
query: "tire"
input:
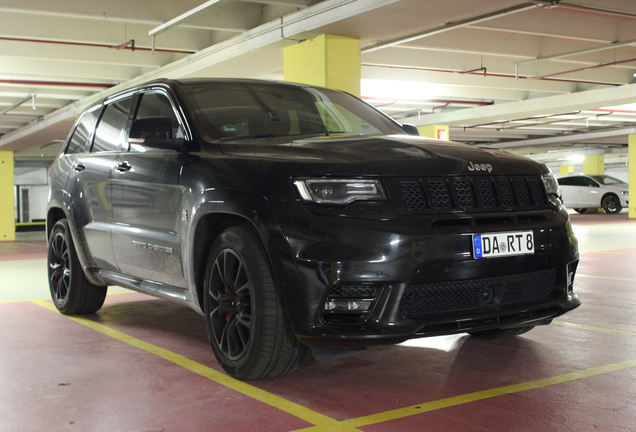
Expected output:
(249, 331)
(580, 210)
(71, 292)
(500, 333)
(611, 204)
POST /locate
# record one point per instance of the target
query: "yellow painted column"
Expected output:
(567, 169)
(434, 131)
(594, 164)
(7, 217)
(325, 61)
(631, 163)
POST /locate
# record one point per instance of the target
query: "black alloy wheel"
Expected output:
(59, 267)
(611, 204)
(249, 331)
(71, 291)
(231, 304)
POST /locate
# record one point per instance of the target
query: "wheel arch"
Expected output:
(213, 216)
(606, 194)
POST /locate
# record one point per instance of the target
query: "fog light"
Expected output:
(358, 305)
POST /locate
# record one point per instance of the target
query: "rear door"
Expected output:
(89, 179)
(589, 193)
(147, 202)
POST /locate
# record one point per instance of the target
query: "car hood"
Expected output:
(398, 155)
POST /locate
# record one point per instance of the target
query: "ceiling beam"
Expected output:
(563, 139)
(451, 26)
(278, 31)
(612, 96)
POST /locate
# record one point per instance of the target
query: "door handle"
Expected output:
(79, 166)
(123, 167)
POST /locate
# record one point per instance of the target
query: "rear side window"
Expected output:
(110, 130)
(80, 139)
(568, 181)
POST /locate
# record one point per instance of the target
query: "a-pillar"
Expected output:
(631, 163)
(567, 169)
(7, 217)
(594, 164)
(434, 131)
(325, 61)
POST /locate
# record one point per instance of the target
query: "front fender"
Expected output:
(219, 205)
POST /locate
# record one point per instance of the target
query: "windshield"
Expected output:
(607, 180)
(231, 111)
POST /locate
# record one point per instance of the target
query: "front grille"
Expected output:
(462, 297)
(483, 193)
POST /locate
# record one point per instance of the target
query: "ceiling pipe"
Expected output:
(497, 75)
(55, 83)
(452, 26)
(584, 68)
(173, 22)
(595, 9)
(17, 104)
(436, 101)
(129, 45)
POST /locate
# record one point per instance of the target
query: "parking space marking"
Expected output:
(471, 397)
(48, 298)
(596, 329)
(319, 420)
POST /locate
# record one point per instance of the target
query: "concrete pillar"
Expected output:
(594, 164)
(325, 61)
(434, 131)
(631, 162)
(567, 169)
(7, 217)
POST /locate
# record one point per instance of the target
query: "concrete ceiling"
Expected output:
(537, 77)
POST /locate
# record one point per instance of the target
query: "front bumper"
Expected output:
(387, 261)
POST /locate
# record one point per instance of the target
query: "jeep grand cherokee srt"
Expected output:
(292, 217)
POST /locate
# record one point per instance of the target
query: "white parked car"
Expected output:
(582, 192)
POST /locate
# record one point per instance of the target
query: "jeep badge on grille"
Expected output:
(479, 167)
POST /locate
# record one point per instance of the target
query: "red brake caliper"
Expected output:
(229, 314)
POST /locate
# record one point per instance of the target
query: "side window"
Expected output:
(568, 181)
(80, 139)
(156, 104)
(588, 182)
(110, 130)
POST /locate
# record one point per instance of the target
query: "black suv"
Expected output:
(293, 217)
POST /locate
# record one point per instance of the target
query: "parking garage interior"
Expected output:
(550, 80)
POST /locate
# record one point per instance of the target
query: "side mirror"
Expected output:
(410, 129)
(155, 132)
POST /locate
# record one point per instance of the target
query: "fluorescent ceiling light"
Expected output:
(575, 158)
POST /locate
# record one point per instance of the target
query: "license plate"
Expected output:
(503, 244)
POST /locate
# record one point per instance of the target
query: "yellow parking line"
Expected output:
(596, 329)
(278, 402)
(606, 277)
(47, 298)
(471, 397)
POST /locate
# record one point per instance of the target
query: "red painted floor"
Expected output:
(59, 375)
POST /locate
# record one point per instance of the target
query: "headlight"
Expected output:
(340, 191)
(551, 185)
